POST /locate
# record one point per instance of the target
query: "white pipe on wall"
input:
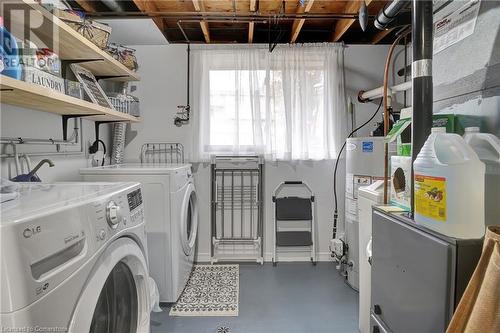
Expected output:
(378, 92)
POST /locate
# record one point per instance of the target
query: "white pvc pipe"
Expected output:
(378, 92)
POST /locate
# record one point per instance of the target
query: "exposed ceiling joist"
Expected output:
(251, 25)
(343, 25)
(200, 7)
(297, 24)
(253, 5)
(229, 21)
(87, 5)
(205, 30)
(197, 5)
(380, 35)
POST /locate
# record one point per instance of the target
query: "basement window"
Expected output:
(278, 109)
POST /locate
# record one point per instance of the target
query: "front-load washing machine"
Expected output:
(171, 212)
(74, 259)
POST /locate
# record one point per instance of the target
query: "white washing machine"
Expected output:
(74, 259)
(171, 212)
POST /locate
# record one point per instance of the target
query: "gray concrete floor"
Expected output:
(289, 298)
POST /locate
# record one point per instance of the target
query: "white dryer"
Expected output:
(171, 212)
(73, 258)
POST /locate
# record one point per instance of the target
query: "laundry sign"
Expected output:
(455, 25)
(44, 79)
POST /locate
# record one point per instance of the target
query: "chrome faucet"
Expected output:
(42, 162)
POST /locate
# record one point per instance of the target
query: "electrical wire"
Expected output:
(335, 213)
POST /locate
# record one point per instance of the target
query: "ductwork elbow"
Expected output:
(389, 13)
(114, 5)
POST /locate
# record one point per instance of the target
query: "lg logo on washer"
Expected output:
(31, 231)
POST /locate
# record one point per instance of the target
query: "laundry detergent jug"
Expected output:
(9, 54)
(449, 186)
(487, 148)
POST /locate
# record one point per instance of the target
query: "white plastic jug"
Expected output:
(449, 186)
(487, 148)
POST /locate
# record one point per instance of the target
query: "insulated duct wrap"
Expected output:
(389, 12)
(118, 149)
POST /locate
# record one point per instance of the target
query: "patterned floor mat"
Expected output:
(212, 290)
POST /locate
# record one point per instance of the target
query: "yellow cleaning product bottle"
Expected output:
(449, 186)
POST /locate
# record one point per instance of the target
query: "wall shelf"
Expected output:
(27, 95)
(69, 44)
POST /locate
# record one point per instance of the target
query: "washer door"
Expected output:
(115, 298)
(189, 220)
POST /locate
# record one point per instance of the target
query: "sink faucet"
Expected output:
(42, 162)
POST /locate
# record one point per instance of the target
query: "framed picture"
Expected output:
(91, 87)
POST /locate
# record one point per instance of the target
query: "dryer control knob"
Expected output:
(113, 215)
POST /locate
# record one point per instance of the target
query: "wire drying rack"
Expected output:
(162, 153)
(237, 208)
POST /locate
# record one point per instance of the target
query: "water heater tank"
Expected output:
(364, 165)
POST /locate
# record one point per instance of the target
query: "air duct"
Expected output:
(389, 13)
(114, 5)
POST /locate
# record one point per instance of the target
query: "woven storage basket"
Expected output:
(124, 55)
(97, 33)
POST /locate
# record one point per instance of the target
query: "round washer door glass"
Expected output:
(117, 306)
(189, 220)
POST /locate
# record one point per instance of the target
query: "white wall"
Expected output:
(20, 122)
(163, 87)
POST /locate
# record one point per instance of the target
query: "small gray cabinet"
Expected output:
(418, 275)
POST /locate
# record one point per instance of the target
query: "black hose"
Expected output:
(95, 147)
(335, 213)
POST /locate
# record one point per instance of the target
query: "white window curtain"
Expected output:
(288, 104)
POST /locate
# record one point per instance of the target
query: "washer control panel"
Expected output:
(118, 212)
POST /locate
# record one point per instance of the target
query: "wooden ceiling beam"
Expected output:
(299, 23)
(341, 27)
(251, 25)
(380, 35)
(199, 6)
(87, 5)
(253, 5)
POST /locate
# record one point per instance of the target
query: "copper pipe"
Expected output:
(386, 111)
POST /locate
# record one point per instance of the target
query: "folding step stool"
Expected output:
(288, 209)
